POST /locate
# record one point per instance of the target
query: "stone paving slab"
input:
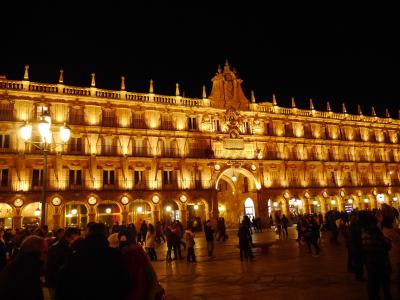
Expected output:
(287, 272)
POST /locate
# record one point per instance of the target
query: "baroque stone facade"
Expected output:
(144, 156)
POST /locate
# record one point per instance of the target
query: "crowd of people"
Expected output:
(71, 260)
(79, 265)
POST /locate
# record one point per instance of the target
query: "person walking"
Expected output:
(143, 232)
(151, 243)
(209, 233)
(191, 257)
(285, 223)
(245, 241)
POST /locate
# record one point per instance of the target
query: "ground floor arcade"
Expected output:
(190, 207)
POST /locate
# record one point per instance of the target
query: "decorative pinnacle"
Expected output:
(387, 113)
(61, 78)
(373, 111)
(204, 92)
(93, 84)
(359, 110)
(177, 90)
(26, 73)
(293, 103)
(311, 105)
(274, 103)
(151, 88)
(253, 98)
(122, 83)
(328, 106)
(344, 110)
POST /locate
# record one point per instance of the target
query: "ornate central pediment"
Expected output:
(227, 90)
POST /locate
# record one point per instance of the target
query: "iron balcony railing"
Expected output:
(119, 184)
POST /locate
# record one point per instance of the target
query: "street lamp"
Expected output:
(45, 144)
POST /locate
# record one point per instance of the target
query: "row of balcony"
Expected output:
(140, 123)
(144, 185)
(114, 184)
(207, 153)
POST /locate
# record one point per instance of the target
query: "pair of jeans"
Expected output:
(190, 254)
(210, 247)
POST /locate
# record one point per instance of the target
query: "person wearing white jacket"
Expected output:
(150, 243)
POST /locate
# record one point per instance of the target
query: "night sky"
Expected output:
(326, 53)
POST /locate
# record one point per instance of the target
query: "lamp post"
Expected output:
(45, 144)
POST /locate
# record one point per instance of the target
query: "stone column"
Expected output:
(214, 209)
(156, 213)
(183, 213)
(125, 216)
(92, 217)
(17, 222)
(56, 221)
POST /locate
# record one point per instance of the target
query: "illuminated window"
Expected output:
(4, 177)
(167, 177)
(4, 141)
(108, 177)
(192, 123)
(75, 177)
(37, 177)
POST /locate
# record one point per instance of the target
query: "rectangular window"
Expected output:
(75, 177)
(37, 177)
(75, 145)
(108, 177)
(192, 123)
(138, 177)
(246, 128)
(4, 177)
(76, 116)
(4, 141)
(167, 177)
(217, 126)
(331, 178)
(40, 110)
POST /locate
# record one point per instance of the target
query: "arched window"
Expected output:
(108, 213)
(249, 208)
(75, 215)
(6, 214)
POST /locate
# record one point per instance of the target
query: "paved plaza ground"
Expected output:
(286, 272)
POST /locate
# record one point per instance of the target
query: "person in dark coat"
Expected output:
(375, 247)
(58, 254)
(245, 241)
(3, 251)
(209, 233)
(20, 280)
(95, 271)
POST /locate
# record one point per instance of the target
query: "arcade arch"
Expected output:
(6, 215)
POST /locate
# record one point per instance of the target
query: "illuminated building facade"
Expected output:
(144, 156)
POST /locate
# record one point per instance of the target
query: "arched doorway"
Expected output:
(6, 214)
(234, 184)
(31, 215)
(170, 212)
(295, 207)
(76, 215)
(108, 213)
(315, 205)
(197, 214)
(140, 210)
